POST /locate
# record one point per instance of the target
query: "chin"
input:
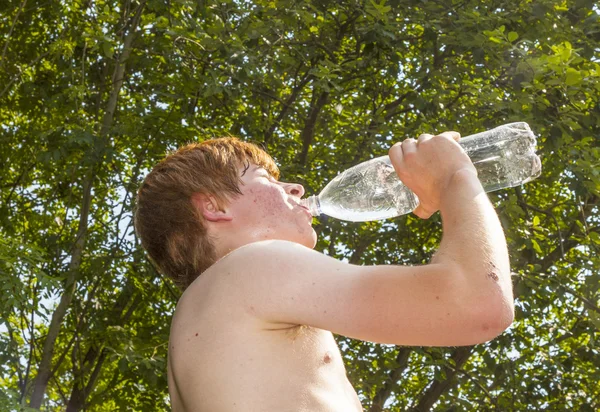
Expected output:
(314, 239)
(309, 241)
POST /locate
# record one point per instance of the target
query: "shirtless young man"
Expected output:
(253, 329)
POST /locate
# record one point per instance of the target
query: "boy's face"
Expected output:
(269, 209)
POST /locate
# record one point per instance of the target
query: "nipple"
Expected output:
(327, 358)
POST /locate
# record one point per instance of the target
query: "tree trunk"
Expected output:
(45, 367)
(98, 353)
(43, 375)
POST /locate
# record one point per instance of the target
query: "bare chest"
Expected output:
(298, 369)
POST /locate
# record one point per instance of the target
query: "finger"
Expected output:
(424, 137)
(395, 153)
(409, 146)
(451, 135)
(422, 213)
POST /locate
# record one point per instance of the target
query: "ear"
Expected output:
(207, 205)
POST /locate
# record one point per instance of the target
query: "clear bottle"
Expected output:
(504, 157)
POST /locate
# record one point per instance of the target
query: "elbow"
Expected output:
(506, 316)
(494, 323)
(488, 308)
(505, 312)
(493, 310)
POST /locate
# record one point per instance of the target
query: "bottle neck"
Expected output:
(312, 204)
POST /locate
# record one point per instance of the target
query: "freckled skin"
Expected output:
(268, 209)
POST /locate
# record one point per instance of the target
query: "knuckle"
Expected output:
(396, 147)
(450, 135)
(395, 151)
(409, 142)
(410, 156)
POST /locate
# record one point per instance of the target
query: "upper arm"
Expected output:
(404, 305)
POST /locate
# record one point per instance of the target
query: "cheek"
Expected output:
(271, 202)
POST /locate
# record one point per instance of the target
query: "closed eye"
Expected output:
(268, 176)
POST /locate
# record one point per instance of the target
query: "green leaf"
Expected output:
(512, 36)
(536, 246)
(594, 318)
(573, 77)
(107, 49)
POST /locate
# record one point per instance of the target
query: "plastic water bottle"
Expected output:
(504, 157)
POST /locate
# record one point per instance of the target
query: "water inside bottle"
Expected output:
(501, 172)
(371, 192)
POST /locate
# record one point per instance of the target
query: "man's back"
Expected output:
(224, 358)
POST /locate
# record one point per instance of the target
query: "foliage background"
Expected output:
(94, 92)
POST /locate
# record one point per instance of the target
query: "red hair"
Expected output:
(170, 227)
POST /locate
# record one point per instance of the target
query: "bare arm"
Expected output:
(438, 170)
(285, 284)
(473, 240)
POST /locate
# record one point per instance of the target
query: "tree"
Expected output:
(93, 93)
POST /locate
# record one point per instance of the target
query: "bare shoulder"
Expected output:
(268, 246)
(256, 252)
(221, 293)
(281, 265)
(246, 265)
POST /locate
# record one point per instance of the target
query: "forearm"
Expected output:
(474, 242)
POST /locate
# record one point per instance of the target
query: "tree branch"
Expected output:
(308, 132)
(287, 105)
(437, 388)
(391, 382)
(12, 27)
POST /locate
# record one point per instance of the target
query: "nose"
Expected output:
(294, 189)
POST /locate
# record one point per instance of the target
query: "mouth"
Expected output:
(305, 209)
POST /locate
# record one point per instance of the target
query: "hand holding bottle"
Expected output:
(427, 165)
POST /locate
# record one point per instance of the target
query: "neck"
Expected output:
(226, 244)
